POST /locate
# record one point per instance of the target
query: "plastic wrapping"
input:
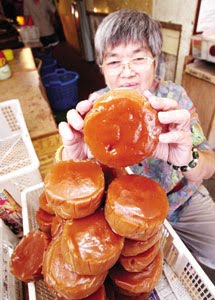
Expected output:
(26, 260)
(89, 245)
(100, 294)
(135, 206)
(57, 226)
(183, 265)
(132, 247)
(74, 189)
(139, 282)
(139, 262)
(44, 220)
(11, 213)
(61, 279)
(44, 204)
(106, 128)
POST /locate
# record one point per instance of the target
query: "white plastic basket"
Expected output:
(10, 288)
(29, 34)
(19, 165)
(192, 278)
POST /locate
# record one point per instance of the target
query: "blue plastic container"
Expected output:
(49, 64)
(61, 88)
(43, 55)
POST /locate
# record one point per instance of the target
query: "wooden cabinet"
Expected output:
(199, 82)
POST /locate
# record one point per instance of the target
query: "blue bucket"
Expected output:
(61, 88)
(49, 65)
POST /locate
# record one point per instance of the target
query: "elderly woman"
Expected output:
(127, 45)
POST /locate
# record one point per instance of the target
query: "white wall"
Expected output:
(178, 12)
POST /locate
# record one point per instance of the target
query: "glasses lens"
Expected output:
(136, 64)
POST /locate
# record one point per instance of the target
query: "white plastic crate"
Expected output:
(10, 287)
(194, 283)
(29, 34)
(19, 165)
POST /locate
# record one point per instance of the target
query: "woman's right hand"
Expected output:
(72, 131)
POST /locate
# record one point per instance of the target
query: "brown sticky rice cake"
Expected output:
(62, 281)
(135, 206)
(139, 262)
(26, 260)
(129, 283)
(132, 247)
(122, 128)
(89, 245)
(74, 189)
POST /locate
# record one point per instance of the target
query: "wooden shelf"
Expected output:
(199, 82)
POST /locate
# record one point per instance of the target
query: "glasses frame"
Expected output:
(128, 62)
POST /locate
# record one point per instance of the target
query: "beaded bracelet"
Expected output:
(192, 164)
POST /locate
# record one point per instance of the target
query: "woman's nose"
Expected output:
(126, 69)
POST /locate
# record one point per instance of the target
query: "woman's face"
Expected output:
(129, 66)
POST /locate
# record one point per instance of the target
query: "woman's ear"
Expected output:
(100, 68)
(156, 66)
(156, 63)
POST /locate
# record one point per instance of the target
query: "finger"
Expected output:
(69, 137)
(89, 153)
(161, 103)
(84, 106)
(75, 120)
(176, 137)
(94, 96)
(180, 116)
(65, 131)
(74, 143)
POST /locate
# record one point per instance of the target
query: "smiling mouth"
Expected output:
(129, 85)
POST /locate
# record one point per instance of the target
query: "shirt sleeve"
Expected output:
(198, 137)
(168, 89)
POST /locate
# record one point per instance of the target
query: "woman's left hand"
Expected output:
(175, 141)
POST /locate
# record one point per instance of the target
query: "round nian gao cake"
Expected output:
(57, 226)
(98, 295)
(142, 296)
(26, 260)
(62, 281)
(129, 283)
(122, 128)
(89, 245)
(44, 220)
(74, 189)
(139, 262)
(132, 247)
(135, 206)
(44, 204)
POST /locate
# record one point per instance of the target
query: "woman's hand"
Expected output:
(175, 142)
(72, 131)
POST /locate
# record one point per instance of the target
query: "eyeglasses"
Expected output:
(137, 64)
